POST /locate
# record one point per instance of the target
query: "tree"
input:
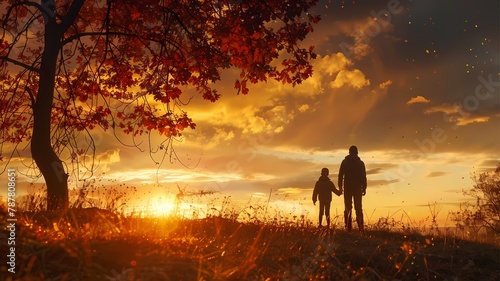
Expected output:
(484, 211)
(71, 66)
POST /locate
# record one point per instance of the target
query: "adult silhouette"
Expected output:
(323, 190)
(352, 182)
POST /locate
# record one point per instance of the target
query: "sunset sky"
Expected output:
(417, 90)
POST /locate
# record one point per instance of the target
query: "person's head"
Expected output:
(353, 150)
(325, 172)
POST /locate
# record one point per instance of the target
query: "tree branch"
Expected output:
(32, 97)
(26, 66)
(21, 3)
(71, 15)
(99, 33)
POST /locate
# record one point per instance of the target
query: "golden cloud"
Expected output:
(385, 84)
(148, 176)
(219, 137)
(325, 69)
(331, 64)
(462, 121)
(417, 99)
(108, 157)
(445, 108)
(291, 190)
(354, 78)
(271, 106)
(303, 108)
(454, 113)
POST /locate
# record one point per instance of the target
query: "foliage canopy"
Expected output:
(68, 67)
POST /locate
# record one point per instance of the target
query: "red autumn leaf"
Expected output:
(135, 15)
(83, 98)
(22, 12)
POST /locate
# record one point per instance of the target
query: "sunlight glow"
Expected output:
(161, 209)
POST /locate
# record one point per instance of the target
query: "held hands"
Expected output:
(314, 202)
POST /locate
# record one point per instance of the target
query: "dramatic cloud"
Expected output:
(220, 136)
(354, 78)
(101, 163)
(402, 89)
(456, 114)
(361, 32)
(449, 109)
(334, 70)
(389, 85)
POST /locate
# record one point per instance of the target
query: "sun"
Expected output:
(161, 208)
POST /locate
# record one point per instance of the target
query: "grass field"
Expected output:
(93, 244)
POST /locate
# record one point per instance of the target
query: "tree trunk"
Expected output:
(42, 151)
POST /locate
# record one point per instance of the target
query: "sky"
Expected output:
(415, 85)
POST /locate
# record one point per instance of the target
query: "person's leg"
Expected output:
(348, 209)
(327, 213)
(358, 205)
(321, 212)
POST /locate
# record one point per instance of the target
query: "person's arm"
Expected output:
(335, 190)
(364, 181)
(341, 176)
(315, 193)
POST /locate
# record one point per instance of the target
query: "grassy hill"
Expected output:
(91, 244)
